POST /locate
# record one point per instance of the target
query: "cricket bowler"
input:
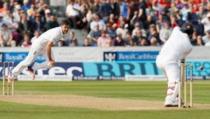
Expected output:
(42, 46)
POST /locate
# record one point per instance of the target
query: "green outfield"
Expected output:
(146, 90)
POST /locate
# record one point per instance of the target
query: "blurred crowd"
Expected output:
(106, 22)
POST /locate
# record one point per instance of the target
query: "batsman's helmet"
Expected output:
(188, 29)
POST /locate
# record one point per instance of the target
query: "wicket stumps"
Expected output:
(8, 85)
(185, 86)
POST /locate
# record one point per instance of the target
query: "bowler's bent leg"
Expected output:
(44, 65)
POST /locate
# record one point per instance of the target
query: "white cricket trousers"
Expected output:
(172, 72)
(30, 58)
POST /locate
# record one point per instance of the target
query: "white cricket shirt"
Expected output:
(177, 47)
(53, 35)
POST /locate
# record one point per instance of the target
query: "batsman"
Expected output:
(176, 48)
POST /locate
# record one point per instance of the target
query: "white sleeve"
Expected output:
(54, 37)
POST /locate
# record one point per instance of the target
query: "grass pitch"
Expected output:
(154, 91)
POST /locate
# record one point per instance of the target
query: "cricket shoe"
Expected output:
(171, 102)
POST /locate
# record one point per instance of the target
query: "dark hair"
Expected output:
(65, 22)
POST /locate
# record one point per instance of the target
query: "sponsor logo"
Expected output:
(130, 56)
(17, 57)
(109, 56)
(111, 70)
